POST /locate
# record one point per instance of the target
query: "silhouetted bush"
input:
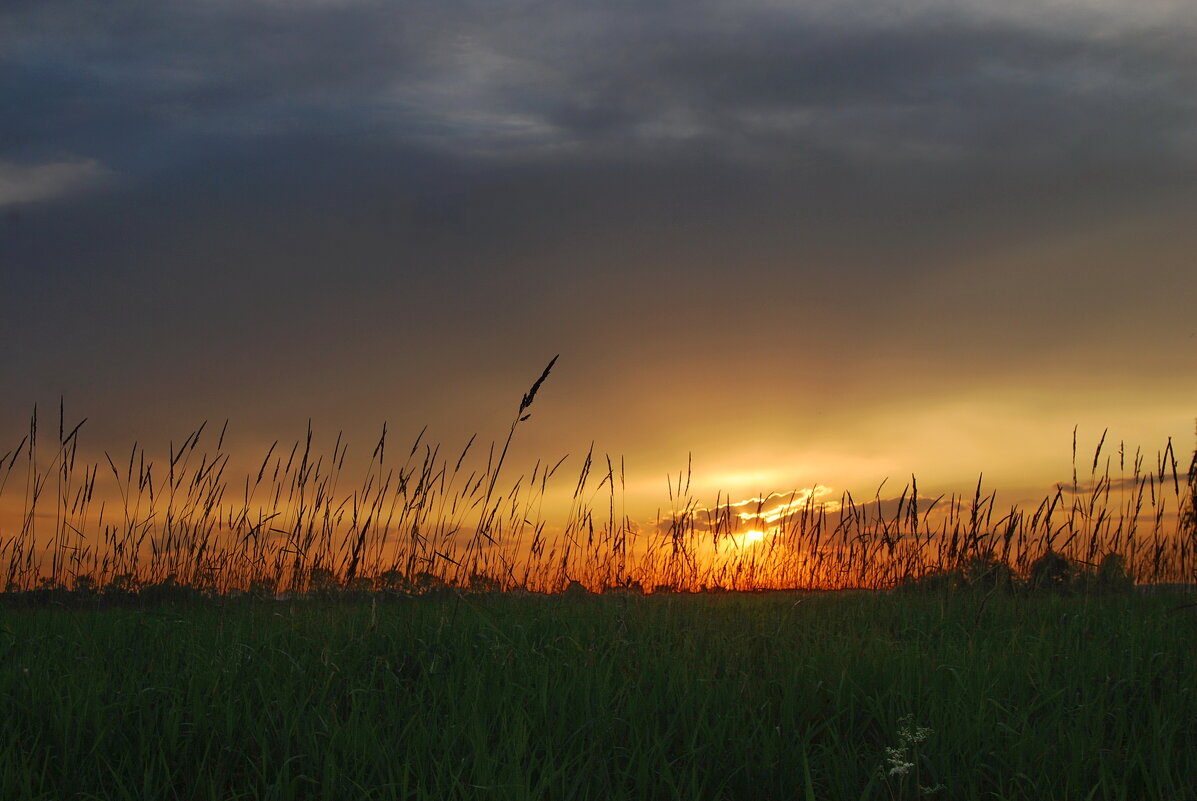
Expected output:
(1052, 571)
(360, 585)
(987, 573)
(431, 584)
(484, 584)
(323, 582)
(169, 590)
(576, 588)
(263, 588)
(393, 582)
(85, 586)
(122, 588)
(1112, 575)
(936, 581)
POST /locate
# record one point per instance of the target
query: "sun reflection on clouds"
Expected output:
(756, 518)
(766, 516)
(791, 503)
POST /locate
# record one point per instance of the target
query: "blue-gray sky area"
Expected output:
(804, 241)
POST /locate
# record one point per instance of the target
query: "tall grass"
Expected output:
(432, 521)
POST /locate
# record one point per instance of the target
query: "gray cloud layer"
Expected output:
(689, 197)
(921, 83)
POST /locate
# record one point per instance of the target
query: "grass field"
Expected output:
(675, 696)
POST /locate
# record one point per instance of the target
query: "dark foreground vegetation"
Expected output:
(966, 693)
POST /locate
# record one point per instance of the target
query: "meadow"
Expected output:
(172, 629)
(833, 695)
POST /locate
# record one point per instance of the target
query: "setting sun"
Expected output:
(752, 537)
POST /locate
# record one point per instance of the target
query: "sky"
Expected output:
(831, 242)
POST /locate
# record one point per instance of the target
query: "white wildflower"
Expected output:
(910, 733)
(903, 759)
(896, 757)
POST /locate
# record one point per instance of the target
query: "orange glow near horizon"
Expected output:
(429, 506)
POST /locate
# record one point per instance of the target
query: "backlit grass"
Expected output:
(426, 520)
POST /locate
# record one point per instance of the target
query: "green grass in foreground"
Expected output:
(601, 697)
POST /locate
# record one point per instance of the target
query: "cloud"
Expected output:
(766, 512)
(32, 183)
(918, 83)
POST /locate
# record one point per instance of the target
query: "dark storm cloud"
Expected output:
(121, 75)
(134, 83)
